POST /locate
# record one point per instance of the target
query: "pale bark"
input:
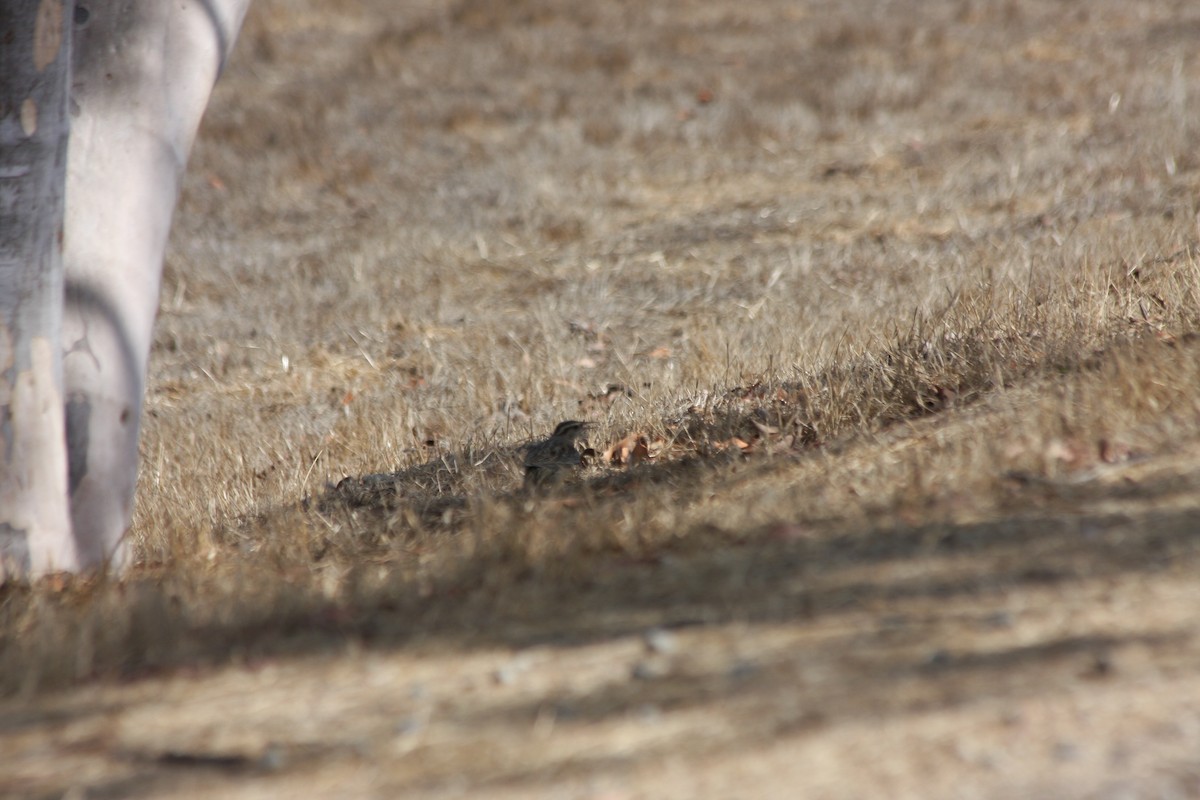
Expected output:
(73, 354)
(34, 81)
(144, 70)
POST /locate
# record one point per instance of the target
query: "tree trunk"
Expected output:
(35, 70)
(73, 350)
(144, 70)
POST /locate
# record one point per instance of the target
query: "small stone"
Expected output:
(661, 641)
(509, 673)
(273, 758)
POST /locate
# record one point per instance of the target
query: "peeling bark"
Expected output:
(34, 80)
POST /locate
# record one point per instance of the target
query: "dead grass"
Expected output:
(904, 297)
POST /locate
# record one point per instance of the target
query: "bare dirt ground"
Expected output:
(886, 315)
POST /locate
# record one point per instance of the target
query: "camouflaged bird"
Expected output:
(550, 461)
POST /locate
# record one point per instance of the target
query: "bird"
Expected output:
(549, 461)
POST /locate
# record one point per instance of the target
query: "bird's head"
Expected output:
(570, 429)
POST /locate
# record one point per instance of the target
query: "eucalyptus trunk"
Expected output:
(35, 76)
(83, 230)
(144, 70)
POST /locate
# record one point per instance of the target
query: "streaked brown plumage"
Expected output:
(549, 461)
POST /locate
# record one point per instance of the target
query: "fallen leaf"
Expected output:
(639, 453)
(628, 451)
(1114, 452)
(1063, 452)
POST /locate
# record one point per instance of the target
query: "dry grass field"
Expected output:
(887, 319)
